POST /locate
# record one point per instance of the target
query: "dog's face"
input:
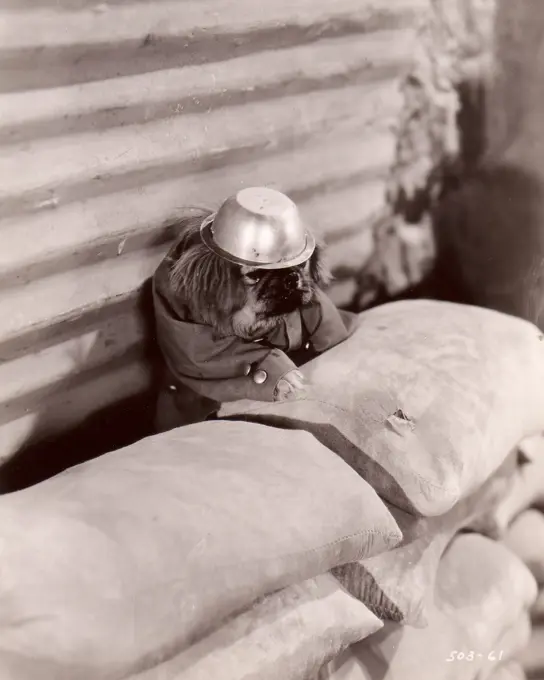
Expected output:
(238, 300)
(279, 291)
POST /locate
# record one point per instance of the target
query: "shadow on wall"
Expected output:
(106, 429)
(489, 227)
(490, 239)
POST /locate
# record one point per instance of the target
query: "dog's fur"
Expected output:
(237, 300)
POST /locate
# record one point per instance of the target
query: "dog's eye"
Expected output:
(254, 276)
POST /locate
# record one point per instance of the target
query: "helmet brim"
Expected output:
(207, 237)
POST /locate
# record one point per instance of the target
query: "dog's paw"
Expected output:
(292, 385)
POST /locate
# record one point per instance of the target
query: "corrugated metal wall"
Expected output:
(115, 115)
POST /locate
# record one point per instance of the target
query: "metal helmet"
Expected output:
(258, 227)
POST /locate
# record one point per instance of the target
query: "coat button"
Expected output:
(172, 388)
(247, 369)
(260, 376)
(307, 345)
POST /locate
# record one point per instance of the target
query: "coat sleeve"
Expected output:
(275, 363)
(221, 369)
(334, 326)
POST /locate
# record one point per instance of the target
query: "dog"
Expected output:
(243, 301)
(229, 331)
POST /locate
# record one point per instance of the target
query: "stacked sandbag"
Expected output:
(427, 401)
(478, 623)
(165, 550)
(320, 536)
(399, 585)
(289, 635)
(477, 613)
(519, 521)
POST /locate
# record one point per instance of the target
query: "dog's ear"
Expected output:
(319, 269)
(210, 286)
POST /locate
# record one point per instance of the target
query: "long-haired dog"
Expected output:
(247, 302)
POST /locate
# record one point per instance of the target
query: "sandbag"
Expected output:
(129, 558)
(525, 537)
(526, 491)
(425, 400)
(512, 670)
(482, 596)
(288, 635)
(399, 584)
